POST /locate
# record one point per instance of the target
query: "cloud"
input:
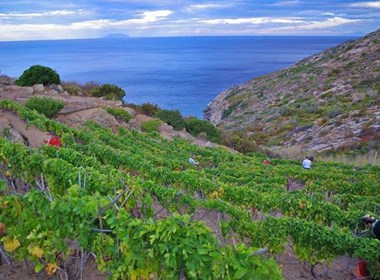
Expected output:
(366, 5)
(43, 14)
(197, 7)
(147, 17)
(255, 20)
(81, 29)
(287, 3)
(331, 22)
(328, 14)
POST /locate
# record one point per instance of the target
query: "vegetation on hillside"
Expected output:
(328, 101)
(119, 113)
(45, 105)
(135, 202)
(108, 91)
(38, 74)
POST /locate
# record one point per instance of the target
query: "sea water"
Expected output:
(183, 73)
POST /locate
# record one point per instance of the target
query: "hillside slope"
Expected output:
(132, 202)
(327, 101)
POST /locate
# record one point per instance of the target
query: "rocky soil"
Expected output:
(328, 101)
(76, 112)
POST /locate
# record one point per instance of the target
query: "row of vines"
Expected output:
(131, 200)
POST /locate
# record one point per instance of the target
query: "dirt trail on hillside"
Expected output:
(34, 136)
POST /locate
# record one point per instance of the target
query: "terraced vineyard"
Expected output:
(133, 201)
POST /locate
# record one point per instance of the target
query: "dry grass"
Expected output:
(372, 158)
(298, 153)
(292, 152)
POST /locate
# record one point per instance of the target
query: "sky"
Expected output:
(57, 19)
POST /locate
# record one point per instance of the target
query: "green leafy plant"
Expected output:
(119, 113)
(38, 74)
(108, 91)
(151, 125)
(195, 127)
(172, 117)
(149, 109)
(45, 105)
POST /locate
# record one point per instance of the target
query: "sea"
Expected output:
(183, 73)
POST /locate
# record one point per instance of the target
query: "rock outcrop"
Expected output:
(328, 101)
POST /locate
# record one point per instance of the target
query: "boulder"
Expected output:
(14, 136)
(39, 88)
(57, 88)
(130, 111)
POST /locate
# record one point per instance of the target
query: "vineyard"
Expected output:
(134, 202)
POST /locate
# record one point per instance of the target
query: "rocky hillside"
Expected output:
(77, 111)
(325, 102)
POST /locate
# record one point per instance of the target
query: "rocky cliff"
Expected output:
(327, 101)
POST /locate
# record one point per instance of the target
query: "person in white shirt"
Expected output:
(306, 163)
(192, 161)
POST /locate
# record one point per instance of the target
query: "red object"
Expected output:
(266, 162)
(54, 141)
(361, 269)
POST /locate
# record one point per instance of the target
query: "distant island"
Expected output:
(116, 35)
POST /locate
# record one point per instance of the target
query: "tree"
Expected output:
(195, 127)
(172, 117)
(38, 74)
(109, 91)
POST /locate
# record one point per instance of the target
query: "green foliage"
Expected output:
(101, 189)
(229, 110)
(195, 127)
(173, 118)
(239, 141)
(333, 112)
(38, 74)
(151, 125)
(149, 109)
(108, 91)
(119, 113)
(45, 105)
(287, 110)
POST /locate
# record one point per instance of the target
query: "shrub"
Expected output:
(112, 92)
(333, 112)
(227, 112)
(196, 127)
(72, 88)
(119, 113)
(150, 126)
(287, 111)
(47, 106)
(240, 141)
(172, 117)
(145, 108)
(38, 74)
(149, 109)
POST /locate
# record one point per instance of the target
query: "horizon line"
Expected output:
(183, 36)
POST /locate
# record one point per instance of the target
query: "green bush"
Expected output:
(150, 126)
(111, 92)
(119, 113)
(172, 117)
(196, 127)
(149, 109)
(38, 74)
(240, 142)
(47, 106)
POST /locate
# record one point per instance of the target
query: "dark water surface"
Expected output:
(183, 73)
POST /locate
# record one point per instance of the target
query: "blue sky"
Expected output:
(57, 19)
